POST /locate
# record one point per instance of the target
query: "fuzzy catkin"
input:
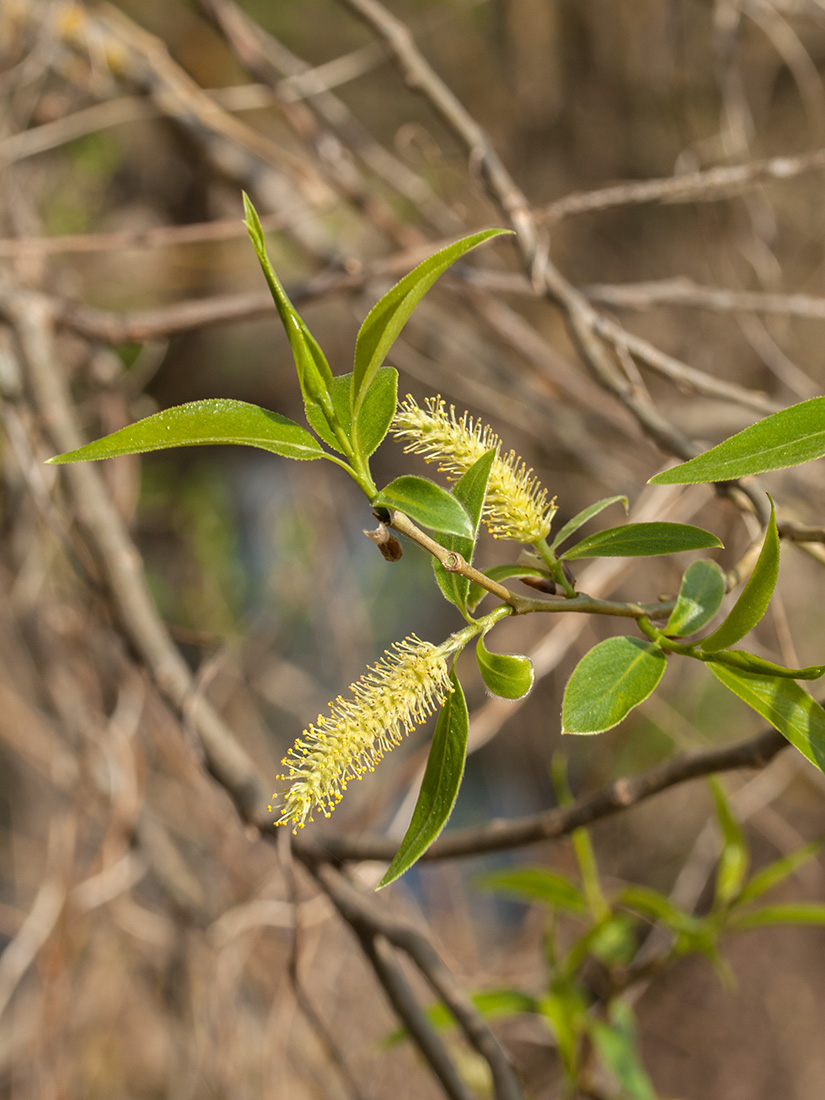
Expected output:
(516, 506)
(394, 696)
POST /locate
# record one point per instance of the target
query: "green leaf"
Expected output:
(582, 517)
(659, 909)
(506, 675)
(785, 438)
(637, 540)
(470, 491)
(536, 884)
(799, 913)
(617, 1048)
(700, 597)
(374, 418)
(200, 422)
(749, 662)
(777, 872)
(388, 316)
(733, 863)
(608, 682)
(501, 573)
(439, 787)
(426, 503)
(314, 372)
(783, 703)
(377, 409)
(754, 598)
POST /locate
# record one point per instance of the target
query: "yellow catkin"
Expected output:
(394, 696)
(516, 506)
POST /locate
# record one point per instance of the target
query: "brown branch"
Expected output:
(365, 913)
(397, 989)
(709, 185)
(623, 793)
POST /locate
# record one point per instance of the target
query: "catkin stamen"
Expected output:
(516, 506)
(394, 696)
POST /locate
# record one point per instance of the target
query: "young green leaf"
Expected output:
(426, 503)
(754, 598)
(198, 423)
(470, 490)
(374, 418)
(388, 316)
(794, 913)
(535, 884)
(783, 703)
(733, 863)
(637, 540)
(777, 872)
(749, 662)
(785, 438)
(659, 909)
(506, 675)
(617, 1047)
(700, 597)
(439, 787)
(608, 682)
(314, 374)
(582, 517)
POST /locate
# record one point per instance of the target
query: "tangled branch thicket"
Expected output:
(170, 624)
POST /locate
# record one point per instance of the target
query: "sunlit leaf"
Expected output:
(783, 703)
(793, 913)
(700, 597)
(608, 682)
(635, 540)
(582, 517)
(617, 1048)
(426, 503)
(749, 662)
(535, 884)
(314, 374)
(777, 872)
(439, 787)
(733, 863)
(198, 423)
(374, 418)
(782, 439)
(754, 598)
(658, 908)
(506, 675)
(388, 316)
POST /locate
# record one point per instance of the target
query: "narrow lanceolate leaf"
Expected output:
(777, 872)
(700, 597)
(439, 787)
(658, 908)
(582, 517)
(786, 438)
(426, 503)
(388, 316)
(754, 598)
(618, 1049)
(506, 675)
(470, 491)
(314, 372)
(536, 884)
(783, 703)
(733, 863)
(608, 682)
(800, 913)
(639, 540)
(374, 418)
(749, 662)
(198, 423)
